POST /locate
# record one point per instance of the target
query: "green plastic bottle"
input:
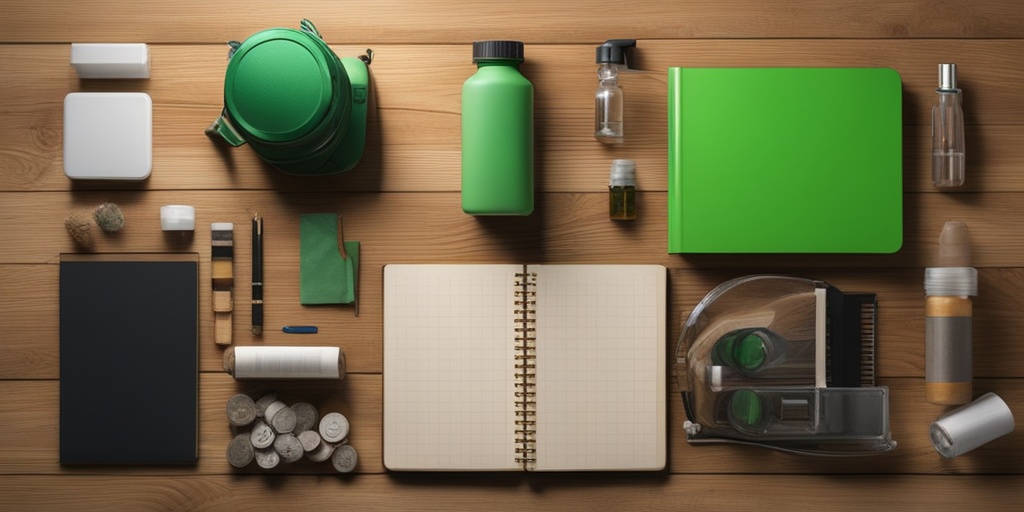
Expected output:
(497, 133)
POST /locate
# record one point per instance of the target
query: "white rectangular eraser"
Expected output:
(108, 135)
(110, 60)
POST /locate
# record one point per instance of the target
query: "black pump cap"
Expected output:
(507, 50)
(613, 51)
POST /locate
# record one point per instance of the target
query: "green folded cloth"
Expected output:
(325, 277)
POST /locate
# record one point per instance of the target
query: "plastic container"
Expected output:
(609, 99)
(948, 131)
(622, 190)
(497, 133)
(949, 312)
(784, 363)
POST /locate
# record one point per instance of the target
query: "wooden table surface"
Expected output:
(402, 203)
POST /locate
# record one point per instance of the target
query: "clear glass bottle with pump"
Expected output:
(608, 101)
(948, 131)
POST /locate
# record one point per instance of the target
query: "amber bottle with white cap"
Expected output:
(622, 190)
(948, 319)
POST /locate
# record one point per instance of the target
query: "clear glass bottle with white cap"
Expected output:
(948, 131)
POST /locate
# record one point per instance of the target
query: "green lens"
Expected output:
(745, 407)
(721, 354)
(750, 352)
(743, 349)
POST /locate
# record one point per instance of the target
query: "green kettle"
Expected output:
(300, 107)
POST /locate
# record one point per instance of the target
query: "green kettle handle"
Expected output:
(222, 128)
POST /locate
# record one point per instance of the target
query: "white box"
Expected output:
(108, 135)
(109, 60)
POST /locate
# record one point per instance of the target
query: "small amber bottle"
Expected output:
(622, 190)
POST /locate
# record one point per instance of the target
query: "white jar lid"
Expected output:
(950, 281)
(177, 217)
(622, 174)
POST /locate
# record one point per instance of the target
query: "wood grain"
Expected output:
(31, 419)
(32, 414)
(32, 342)
(533, 20)
(402, 203)
(413, 136)
(909, 493)
(430, 227)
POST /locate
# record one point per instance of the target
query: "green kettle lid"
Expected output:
(278, 87)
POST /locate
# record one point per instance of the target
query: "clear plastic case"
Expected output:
(786, 363)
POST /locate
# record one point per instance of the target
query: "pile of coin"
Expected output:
(270, 432)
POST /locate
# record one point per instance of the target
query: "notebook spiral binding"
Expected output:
(526, 367)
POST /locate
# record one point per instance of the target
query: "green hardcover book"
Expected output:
(785, 160)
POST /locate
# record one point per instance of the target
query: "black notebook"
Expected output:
(129, 358)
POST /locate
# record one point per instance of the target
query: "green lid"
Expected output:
(278, 87)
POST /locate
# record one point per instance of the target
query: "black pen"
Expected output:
(257, 275)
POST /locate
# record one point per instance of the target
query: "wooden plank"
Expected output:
(900, 329)
(534, 21)
(31, 417)
(31, 338)
(31, 414)
(30, 300)
(402, 202)
(518, 492)
(987, 70)
(29, 322)
(909, 415)
(431, 227)
(413, 139)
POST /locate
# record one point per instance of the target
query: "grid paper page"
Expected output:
(600, 367)
(448, 367)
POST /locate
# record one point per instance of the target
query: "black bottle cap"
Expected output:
(507, 50)
(613, 51)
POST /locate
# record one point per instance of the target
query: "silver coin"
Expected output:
(310, 440)
(267, 458)
(273, 409)
(322, 453)
(241, 410)
(305, 416)
(262, 436)
(263, 402)
(283, 421)
(288, 447)
(334, 427)
(240, 452)
(344, 458)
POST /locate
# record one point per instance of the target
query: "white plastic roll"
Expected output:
(262, 362)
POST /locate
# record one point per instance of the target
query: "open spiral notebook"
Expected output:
(524, 367)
